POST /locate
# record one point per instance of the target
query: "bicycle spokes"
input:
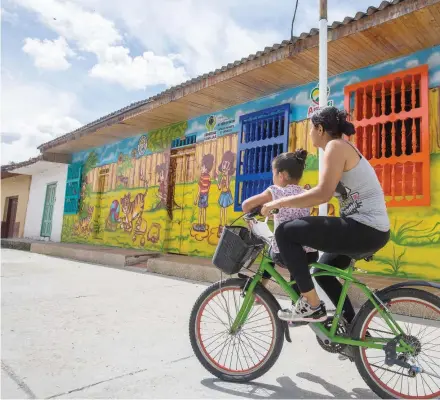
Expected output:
(416, 372)
(238, 352)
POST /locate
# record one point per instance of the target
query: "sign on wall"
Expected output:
(218, 126)
(314, 98)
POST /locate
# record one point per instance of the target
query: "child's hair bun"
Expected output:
(301, 154)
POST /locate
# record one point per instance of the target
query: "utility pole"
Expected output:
(322, 75)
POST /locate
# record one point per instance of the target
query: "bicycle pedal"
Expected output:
(291, 324)
(346, 354)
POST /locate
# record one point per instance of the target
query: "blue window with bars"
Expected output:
(263, 135)
(73, 189)
(188, 141)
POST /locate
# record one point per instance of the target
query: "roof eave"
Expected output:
(387, 11)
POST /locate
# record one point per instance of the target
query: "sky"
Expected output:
(67, 63)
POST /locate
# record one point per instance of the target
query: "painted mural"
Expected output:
(141, 193)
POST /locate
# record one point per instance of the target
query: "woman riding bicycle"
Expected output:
(363, 226)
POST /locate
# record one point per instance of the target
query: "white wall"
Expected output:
(57, 173)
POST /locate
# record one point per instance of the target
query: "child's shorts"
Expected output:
(203, 200)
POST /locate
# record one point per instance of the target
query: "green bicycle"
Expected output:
(394, 339)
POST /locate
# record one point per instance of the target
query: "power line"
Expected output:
(293, 20)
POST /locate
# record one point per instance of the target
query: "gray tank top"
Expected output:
(361, 197)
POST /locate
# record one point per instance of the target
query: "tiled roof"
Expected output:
(13, 166)
(347, 20)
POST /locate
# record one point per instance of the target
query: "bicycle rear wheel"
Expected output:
(418, 314)
(247, 354)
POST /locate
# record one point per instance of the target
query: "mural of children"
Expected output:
(226, 169)
(203, 192)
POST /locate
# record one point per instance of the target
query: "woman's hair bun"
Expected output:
(345, 127)
(301, 156)
(333, 121)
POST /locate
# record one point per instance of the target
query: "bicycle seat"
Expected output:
(362, 256)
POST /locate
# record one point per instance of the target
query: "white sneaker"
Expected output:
(303, 311)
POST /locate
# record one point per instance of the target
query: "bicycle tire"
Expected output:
(365, 315)
(272, 307)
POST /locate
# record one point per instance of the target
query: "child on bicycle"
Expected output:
(287, 170)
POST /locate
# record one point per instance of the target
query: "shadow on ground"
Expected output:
(287, 389)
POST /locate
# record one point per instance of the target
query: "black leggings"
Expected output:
(338, 238)
(312, 257)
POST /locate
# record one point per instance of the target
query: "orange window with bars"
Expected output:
(391, 119)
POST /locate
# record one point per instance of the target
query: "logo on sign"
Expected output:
(211, 121)
(314, 97)
(314, 94)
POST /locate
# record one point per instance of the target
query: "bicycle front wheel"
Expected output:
(418, 314)
(253, 349)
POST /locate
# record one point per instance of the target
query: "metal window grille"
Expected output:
(391, 118)
(263, 135)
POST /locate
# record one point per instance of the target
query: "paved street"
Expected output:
(74, 330)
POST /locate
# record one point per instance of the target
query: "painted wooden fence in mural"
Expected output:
(217, 148)
(143, 171)
(299, 137)
(434, 125)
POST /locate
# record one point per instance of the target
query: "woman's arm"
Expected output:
(257, 200)
(333, 166)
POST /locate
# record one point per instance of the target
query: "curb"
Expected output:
(15, 245)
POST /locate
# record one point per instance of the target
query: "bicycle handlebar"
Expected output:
(257, 211)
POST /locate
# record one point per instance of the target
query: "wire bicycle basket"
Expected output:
(237, 249)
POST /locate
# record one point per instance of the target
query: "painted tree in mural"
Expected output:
(161, 139)
(90, 163)
(86, 187)
(158, 140)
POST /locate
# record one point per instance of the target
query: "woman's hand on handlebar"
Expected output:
(270, 208)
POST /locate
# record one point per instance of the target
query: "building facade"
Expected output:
(173, 189)
(14, 202)
(38, 187)
(44, 218)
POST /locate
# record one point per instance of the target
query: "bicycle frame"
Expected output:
(330, 334)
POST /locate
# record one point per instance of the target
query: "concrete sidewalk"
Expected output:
(73, 330)
(141, 261)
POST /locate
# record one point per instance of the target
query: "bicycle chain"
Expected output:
(390, 370)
